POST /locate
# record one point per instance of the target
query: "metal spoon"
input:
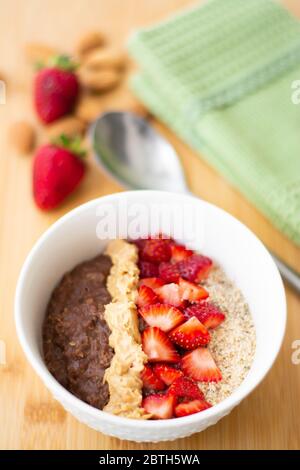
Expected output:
(138, 157)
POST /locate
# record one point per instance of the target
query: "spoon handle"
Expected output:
(291, 276)
(288, 274)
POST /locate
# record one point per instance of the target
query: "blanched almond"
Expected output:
(22, 136)
(69, 125)
(36, 52)
(89, 41)
(105, 58)
(99, 80)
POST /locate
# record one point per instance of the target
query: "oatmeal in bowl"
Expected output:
(154, 337)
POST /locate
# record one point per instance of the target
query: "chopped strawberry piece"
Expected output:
(148, 269)
(162, 236)
(207, 313)
(150, 380)
(168, 272)
(152, 282)
(158, 347)
(167, 373)
(195, 268)
(156, 250)
(191, 407)
(191, 292)
(160, 406)
(200, 365)
(190, 334)
(146, 296)
(163, 316)
(179, 253)
(186, 388)
(139, 243)
(170, 294)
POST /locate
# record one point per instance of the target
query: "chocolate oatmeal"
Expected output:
(75, 334)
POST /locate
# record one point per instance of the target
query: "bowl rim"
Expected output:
(63, 394)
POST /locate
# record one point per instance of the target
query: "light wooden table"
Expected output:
(29, 417)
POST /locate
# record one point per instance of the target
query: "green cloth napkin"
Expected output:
(221, 76)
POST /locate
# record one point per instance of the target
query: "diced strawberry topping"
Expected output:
(163, 316)
(190, 334)
(207, 313)
(191, 291)
(150, 380)
(152, 282)
(162, 236)
(195, 268)
(146, 296)
(186, 388)
(168, 272)
(179, 253)
(190, 407)
(170, 294)
(156, 250)
(160, 406)
(139, 243)
(148, 269)
(158, 347)
(200, 365)
(167, 373)
(175, 315)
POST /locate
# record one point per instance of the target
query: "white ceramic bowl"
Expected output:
(72, 239)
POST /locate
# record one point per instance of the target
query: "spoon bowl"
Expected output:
(134, 154)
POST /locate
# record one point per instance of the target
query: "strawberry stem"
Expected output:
(73, 144)
(63, 62)
(39, 65)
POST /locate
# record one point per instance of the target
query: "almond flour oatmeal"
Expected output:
(149, 330)
(233, 342)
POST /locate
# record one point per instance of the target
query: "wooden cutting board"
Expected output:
(29, 417)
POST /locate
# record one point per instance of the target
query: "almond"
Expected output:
(69, 125)
(140, 109)
(88, 42)
(105, 58)
(89, 107)
(125, 101)
(22, 136)
(99, 80)
(36, 52)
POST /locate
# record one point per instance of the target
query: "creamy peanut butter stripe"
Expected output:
(123, 375)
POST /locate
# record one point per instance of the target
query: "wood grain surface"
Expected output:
(29, 417)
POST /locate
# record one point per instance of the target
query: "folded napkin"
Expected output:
(220, 75)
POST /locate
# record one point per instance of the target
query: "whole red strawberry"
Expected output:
(57, 170)
(56, 89)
